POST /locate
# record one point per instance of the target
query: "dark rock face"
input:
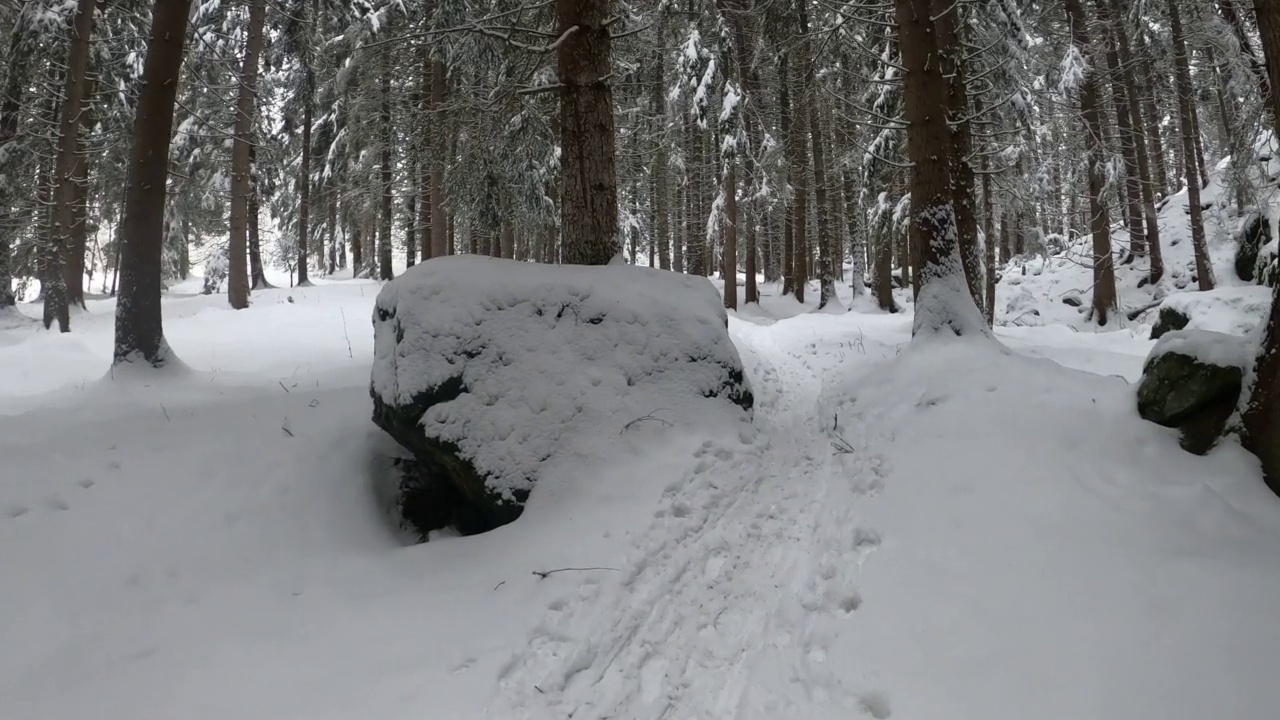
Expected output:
(1256, 234)
(1181, 390)
(485, 369)
(1168, 321)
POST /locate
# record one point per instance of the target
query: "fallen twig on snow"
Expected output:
(544, 573)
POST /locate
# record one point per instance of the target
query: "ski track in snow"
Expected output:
(735, 591)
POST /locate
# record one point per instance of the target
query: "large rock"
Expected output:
(1192, 381)
(1231, 310)
(486, 369)
(1254, 235)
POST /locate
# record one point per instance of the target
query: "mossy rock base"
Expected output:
(1183, 392)
(1167, 321)
(440, 487)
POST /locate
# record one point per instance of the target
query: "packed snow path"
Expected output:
(719, 611)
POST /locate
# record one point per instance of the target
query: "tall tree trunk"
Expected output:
(1261, 417)
(16, 80)
(257, 272)
(331, 224)
(139, 333)
(1186, 105)
(947, 24)
(809, 99)
(589, 206)
(989, 246)
(56, 300)
(241, 183)
(1104, 278)
(797, 150)
(944, 303)
(304, 184)
(77, 238)
(1152, 114)
(1145, 181)
(388, 187)
(1125, 123)
(410, 229)
(658, 177)
(439, 224)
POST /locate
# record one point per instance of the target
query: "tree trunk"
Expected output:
(506, 242)
(1152, 114)
(947, 23)
(589, 205)
(139, 333)
(53, 281)
(304, 183)
(77, 239)
(1186, 102)
(809, 99)
(237, 278)
(439, 224)
(1125, 123)
(657, 106)
(1261, 417)
(797, 151)
(385, 239)
(410, 230)
(257, 273)
(16, 81)
(989, 246)
(1104, 279)
(332, 231)
(944, 303)
(1145, 180)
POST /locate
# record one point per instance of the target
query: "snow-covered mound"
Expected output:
(486, 369)
(1233, 310)
(1041, 552)
(1056, 289)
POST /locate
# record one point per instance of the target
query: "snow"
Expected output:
(1233, 310)
(956, 529)
(1210, 348)
(552, 354)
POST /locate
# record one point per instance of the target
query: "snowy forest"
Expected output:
(640, 358)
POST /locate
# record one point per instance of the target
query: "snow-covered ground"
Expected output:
(949, 531)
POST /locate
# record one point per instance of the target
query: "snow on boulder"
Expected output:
(1231, 310)
(484, 369)
(1191, 381)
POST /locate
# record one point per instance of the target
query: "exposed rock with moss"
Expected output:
(1192, 381)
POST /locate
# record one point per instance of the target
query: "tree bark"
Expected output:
(237, 278)
(1145, 181)
(139, 332)
(657, 107)
(1104, 279)
(1125, 123)
(66, 170)
(388, 187)
(1261, 417)
(797, 150)
(589, 205)
(304, 183)
(1186, 102)
(947, 24)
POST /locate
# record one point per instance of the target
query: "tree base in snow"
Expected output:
(1192, 381)
(486, 369)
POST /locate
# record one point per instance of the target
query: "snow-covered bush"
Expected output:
(485, 368)
(216, 269)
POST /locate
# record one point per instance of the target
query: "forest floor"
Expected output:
(960, 530)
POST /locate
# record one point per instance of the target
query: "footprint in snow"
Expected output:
(17, 511)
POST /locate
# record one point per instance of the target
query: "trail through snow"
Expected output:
(718, 611)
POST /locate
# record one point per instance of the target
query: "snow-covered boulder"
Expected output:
(1191, 381)
(1230, 310)
(485, 369)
